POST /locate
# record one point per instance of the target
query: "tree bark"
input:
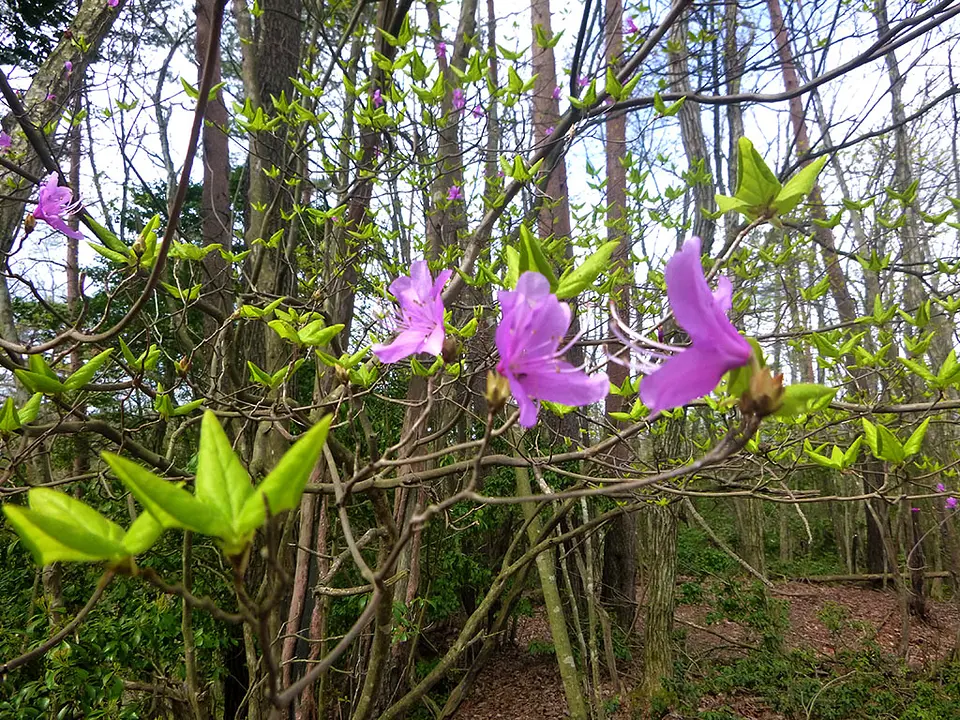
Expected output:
(618, 581)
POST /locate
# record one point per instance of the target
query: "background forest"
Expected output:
(223, 499)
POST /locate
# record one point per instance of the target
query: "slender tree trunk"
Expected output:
(846, 307)
(691, 133)
(546, 568)
(618, 583)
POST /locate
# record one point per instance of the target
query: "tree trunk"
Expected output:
(546, 568)
(618, 582)
(661, 582)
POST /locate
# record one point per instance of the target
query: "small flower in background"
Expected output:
(951, 503)
(68, 66)
(377, 98)
(528, 339)
(419, 323)
(501, 174)
(630, 27)
(113, 3)
(556, 93)
(459, 100)
(675, 375)
(478, 111)
(455, 193)
(914, 509)
(5, 142)
(549, 130)
(441, 49)
(941, 487)
(53, 204)
(51, 97)
(583, 81)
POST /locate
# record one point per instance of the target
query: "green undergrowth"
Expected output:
(859, 684)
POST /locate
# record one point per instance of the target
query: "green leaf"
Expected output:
(85, 374)
(915, 441)
(39, 383)
(187, 408)
(66, 508)
(111, 241)
(889, 446)
(803, 399)
(852, 452)
(512, 259)
(798, 187)
(58, 527)
(143, 533)
(285, 330)
(573, 282)
(918, 368)
(111, 255)
(727, 204)
(756, 184)
(532, 257)
(948, 374)
(9, 417)
(282, 488)
(259, 376)
(48, 541)
(28, 413)
(171, 506)
(830, 222)
(316, 333)
(222, 481)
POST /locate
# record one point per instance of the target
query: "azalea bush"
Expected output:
(371, 361)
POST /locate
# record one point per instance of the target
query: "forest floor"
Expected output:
(522, 682)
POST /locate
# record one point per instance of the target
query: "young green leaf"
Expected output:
(798, 187)
(573, 282)
(85, 374)
(282, 488)
(915, 441)
(222, 481)
(172, 506)
(317, 333)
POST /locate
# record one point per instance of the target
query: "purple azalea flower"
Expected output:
(549, 130)
(583, 81)
(420, 320)
(941, 487)
(51, 97)
(528, 340)
(68, 66)
(478, 111)
(53, 204)
(914, 509)
(441, 49)
(951, 503)
(630, 27)
(716, 347)
(377, 98)
(459, 101)
(113, 3)
(455, 193)
(5, 142)
(556, 93)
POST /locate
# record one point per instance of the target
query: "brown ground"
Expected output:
(522, 685)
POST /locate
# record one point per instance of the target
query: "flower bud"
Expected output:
(498, 391)
(765, 394)
(342, 374)
(29, 223)
(450, 351)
